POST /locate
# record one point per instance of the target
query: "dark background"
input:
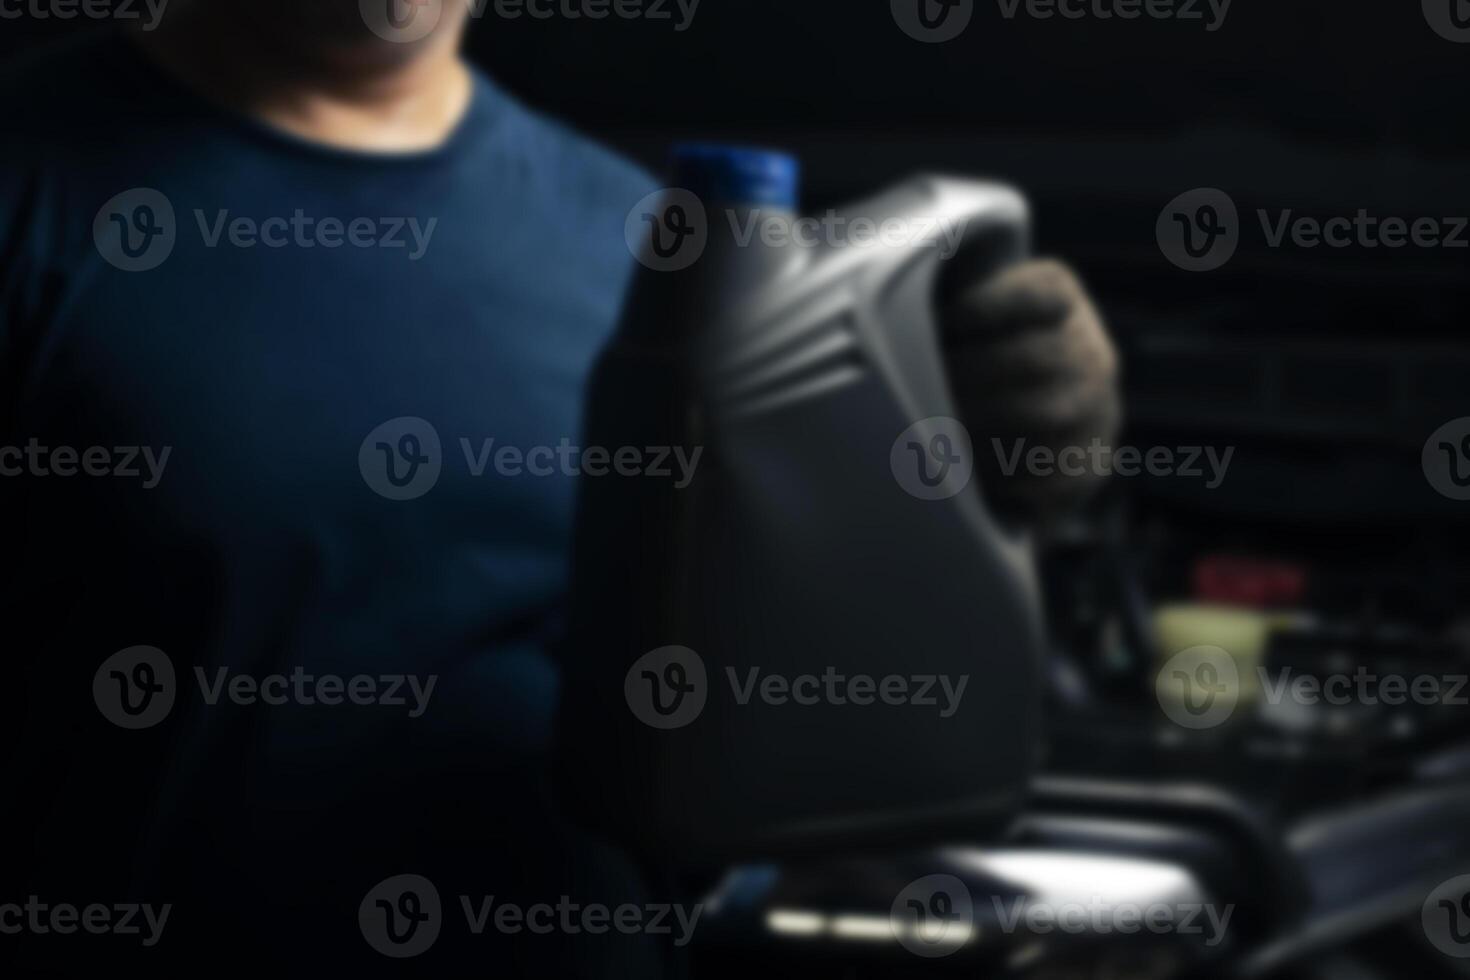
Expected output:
(1327, 368)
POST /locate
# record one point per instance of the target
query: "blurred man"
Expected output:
(230, 249)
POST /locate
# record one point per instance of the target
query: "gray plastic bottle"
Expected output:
(824, 637)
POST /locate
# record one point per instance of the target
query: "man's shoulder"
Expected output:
(571, 164)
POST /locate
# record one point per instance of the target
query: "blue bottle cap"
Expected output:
(737, 176)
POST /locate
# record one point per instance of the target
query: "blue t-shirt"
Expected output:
(261, 407)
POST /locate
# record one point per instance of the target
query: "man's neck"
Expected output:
(370, 95)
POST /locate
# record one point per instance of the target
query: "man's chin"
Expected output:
(356, 30)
